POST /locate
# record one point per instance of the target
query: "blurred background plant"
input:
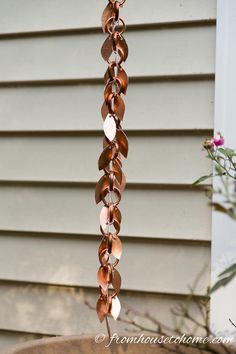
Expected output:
(223, 196)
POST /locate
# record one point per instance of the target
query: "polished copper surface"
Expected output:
(115, 146)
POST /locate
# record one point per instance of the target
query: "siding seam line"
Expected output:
(97, 29)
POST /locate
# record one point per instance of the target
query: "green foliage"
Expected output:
(224, 163)
(231, 212)
(225, 277)
(227, 152)
(202, 179)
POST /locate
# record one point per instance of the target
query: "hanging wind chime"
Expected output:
(115, 145)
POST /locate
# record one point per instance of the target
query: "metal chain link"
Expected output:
(115, 145)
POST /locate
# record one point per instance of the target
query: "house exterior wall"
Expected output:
(50, 139)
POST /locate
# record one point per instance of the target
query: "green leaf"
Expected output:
(232, 268)
(227, 152)
(219, 207)
(222, 282)
(220, 171)
(222, 150)
(231, 271)
(201, 179)
(230, 152)
(231, 213)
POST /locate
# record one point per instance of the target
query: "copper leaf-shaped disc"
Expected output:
(110, 73)
(109, 127)
(107, 13)
(116, 248)
(116, 225)
(105, 143)
(108, 92)
(103, 245)
(116, 280)
(123, 46)
(102, 188)
(119, 107)
(104, 110)
(115, 307)
(122, 76)
(106, 76)
(105, 157)
(119, 159)
(122, 141)
(102, 309)
(123, 183)
(117, 170)
(103, 277)
(107, 48)
(104, 217)
(103, 257)
(117, 214)
(103, 254)
(117, 185)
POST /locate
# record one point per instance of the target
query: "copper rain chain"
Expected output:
(115, 145)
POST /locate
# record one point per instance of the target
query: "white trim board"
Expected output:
(223, 304)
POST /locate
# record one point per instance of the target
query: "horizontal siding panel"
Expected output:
(66, 311)
(66, 261)
(175, 51)
(73, 210)
(75, 159)
(43, 15)
(166, 105)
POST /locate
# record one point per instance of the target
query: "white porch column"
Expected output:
(223, 305)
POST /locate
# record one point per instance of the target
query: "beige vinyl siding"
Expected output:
(179, 51)
(66, 310)
(46, 15)
(71, 261)
(181, 104)
(60, 158)
(50, 139)
(71, 209)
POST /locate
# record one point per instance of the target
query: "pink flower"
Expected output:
(218, 139)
